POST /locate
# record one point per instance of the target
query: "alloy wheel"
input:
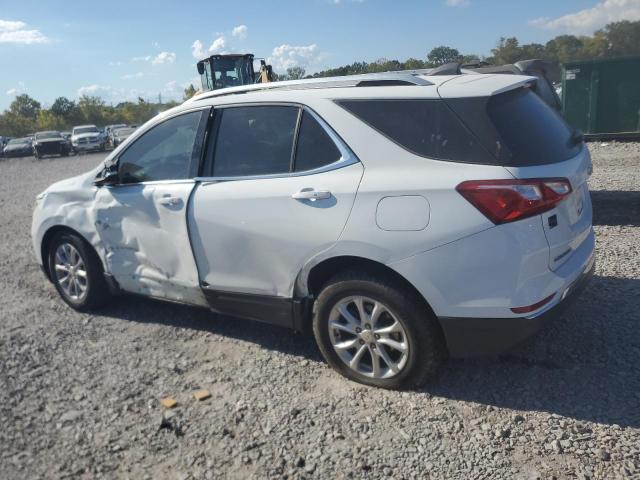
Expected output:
(70, 272)
(368, 337)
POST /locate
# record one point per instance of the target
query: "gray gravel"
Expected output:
(79, 394)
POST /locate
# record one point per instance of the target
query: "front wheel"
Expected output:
(373, 331)
(77, 273)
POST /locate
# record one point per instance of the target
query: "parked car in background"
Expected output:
(400, 218)
(66, 135)
(50, 143)
(19, 147)
(119, 135)
(3, 142)
(87, 138)
(109, 131)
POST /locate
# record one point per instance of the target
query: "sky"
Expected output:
(120, 50)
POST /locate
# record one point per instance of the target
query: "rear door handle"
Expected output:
(311, 194)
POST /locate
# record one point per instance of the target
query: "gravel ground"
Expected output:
(79, 394)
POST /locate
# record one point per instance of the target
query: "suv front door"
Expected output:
(278, 189)
(141, 220)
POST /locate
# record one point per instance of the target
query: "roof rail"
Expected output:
(364, 80)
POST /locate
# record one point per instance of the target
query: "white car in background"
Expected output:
(402, 218)
(87, 138)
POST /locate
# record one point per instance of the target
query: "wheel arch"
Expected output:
(320, 273)
(47, 238)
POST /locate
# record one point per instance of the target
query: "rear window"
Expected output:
(518, 128)
(425, 127)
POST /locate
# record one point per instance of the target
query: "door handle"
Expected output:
(311, 194)
(170, 201)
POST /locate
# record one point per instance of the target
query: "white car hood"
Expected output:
(85, 135)
(83, 182)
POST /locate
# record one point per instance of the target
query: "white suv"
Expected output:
(401, 218)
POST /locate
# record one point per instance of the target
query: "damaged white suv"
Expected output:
(402, 218)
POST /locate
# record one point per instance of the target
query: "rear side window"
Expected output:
(315, 147)
(255, 140)
(518, 128)
(425, 127)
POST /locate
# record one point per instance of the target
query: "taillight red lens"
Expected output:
(503, 201)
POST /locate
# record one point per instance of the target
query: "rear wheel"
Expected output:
(374, 332)
(77, 273)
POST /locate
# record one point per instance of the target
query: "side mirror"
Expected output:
(107, 177)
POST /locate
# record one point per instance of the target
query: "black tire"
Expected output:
(426, 351)
(97, 291)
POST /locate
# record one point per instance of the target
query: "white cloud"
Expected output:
(163, 57)
(114, 95)
(145, 58)
(457, 3)
(286, 56)
(591, 19)
(218, 45)
(132, 75)
(95, 91)
(11, 26)
(240, 32)
(13, 31)
(115, 64)
(12, 92)
(197, 50)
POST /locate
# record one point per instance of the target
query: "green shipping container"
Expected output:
(602, 97)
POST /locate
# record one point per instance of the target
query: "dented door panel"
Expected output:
(144, 232)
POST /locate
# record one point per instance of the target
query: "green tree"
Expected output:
(507, 51)
(92, 109)
(189, 92)
(443, 54)
(295, 73)
(623, 37)
(25, 106)
(63, 107)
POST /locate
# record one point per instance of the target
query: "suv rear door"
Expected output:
(277, 189)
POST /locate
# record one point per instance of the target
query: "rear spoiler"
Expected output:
(483, 85)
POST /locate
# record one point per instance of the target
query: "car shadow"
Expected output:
(616, 207)
(584, 365)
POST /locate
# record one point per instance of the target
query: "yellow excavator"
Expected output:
(232, 70)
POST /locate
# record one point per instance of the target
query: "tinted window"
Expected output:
(163, 153)
(254, 141)
(424, 127)
(518, 128)
(315, 147)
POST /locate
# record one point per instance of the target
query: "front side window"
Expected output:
(254, 140)
(166, 152)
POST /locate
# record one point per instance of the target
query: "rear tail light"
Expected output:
(503, 201)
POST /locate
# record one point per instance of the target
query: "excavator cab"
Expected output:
(230, 70)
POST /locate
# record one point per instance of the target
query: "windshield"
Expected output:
(43, 135)
(17, 141)
(77, 131)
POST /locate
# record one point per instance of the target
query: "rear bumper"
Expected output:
(468, 337)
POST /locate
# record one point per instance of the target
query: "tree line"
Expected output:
(26, 115)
